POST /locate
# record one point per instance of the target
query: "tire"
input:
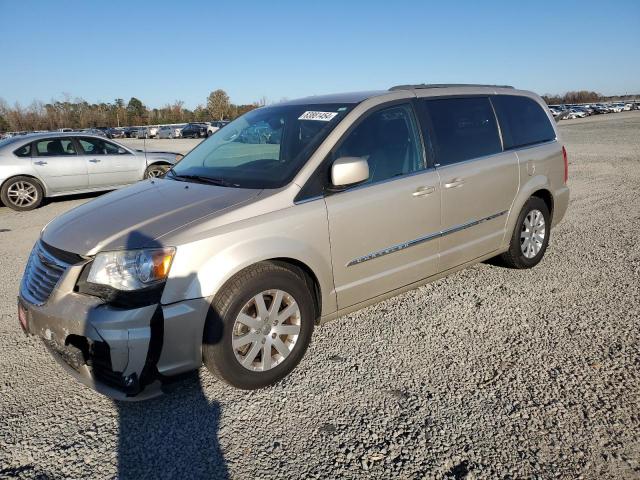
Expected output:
(535, 248)
(155, 171)
(22, 193)
(222, 326)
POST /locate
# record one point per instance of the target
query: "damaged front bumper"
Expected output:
(124, 353)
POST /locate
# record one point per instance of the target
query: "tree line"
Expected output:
(78, 113)
(584, 96)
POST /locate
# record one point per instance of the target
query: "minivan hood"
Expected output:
(134, 217)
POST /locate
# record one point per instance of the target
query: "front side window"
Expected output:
(55, 147)
(389, 140)
(522, 120)
(264, 148)
(96, 146)
(463, 128)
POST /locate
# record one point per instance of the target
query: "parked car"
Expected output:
(166, 131)
(599, 109)
(115, 133)
(153, 131)
(213, 127)
(194, 130)
(242, 249)
(574, 113)
(37, 166)
(142, 132)
(94, 131)
(130, 132)
(179, 130)
(555, 111)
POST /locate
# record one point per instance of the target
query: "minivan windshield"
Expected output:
(264, 148)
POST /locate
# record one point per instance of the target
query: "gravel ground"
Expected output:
(489, 373)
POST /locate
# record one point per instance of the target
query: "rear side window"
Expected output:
(522, 120)
(24, 151)
(463, 128)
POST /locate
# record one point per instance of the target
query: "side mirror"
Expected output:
(347, 171)
(121, 151)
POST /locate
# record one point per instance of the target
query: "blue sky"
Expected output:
(160, 51)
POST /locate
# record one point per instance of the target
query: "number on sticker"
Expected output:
(320, 116)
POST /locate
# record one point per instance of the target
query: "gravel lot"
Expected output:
(489, 373)
(178, 145)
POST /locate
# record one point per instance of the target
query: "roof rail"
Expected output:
(443, 85)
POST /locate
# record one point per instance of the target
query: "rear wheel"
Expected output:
(22, 193)
(530, 236)
(259, 326)
(155, 171)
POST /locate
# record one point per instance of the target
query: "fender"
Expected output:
(202, 267)
(533, 184)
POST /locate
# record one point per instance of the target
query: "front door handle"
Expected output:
(422, 191)
(456, 182)
(40, 162)
(94, 160)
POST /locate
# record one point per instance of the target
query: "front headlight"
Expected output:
(131, 269)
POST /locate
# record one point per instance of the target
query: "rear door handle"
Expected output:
(40, 162)
(94, 160)
(422, 191)
(456, 182)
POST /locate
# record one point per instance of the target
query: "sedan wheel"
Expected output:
(22, 193)
(155, 171)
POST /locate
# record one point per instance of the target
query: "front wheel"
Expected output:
(22, 193)
(259, 326)
(530, 236)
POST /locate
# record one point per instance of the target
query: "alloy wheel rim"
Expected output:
(532, 234)
(266, 330)
(156, 172)
(22, 194)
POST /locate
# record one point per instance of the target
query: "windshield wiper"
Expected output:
(202, 179)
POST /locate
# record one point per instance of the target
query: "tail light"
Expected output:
(566, 164)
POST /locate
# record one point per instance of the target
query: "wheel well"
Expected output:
(546, 197)
(159, 162)
(312, 280)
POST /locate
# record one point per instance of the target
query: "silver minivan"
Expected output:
(290, 216)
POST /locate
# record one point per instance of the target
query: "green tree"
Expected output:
(136, 111)
(218, 104)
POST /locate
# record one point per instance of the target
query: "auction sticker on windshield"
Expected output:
(321, 116)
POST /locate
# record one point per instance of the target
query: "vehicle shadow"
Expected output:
(74, 196)
(172, 436)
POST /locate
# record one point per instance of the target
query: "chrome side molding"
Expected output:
(426, 238)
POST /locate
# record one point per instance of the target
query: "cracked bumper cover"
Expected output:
(125, 354)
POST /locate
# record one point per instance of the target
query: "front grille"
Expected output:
(41, 275)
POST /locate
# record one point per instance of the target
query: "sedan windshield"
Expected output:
(264, 148)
